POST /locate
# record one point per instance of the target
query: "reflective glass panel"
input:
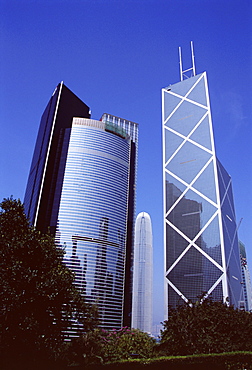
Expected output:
(198, 93)
(202, 134)
(191, 213)
(188, 162)
(183, 88)
(92, 217)
(185, 117)
(172, 142)
(206, 183)
(176, 244)
(209, 241)
(170, 103)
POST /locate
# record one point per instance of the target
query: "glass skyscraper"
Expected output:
(142, 274)
(48, 162)
(131, 128)
(246, 281)
(200, 232)
(81, 187)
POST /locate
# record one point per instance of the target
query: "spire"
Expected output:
(183, 73)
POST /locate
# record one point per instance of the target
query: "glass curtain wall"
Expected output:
(142, 274)
(92, 217)
(201, 248)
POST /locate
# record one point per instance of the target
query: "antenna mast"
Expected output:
(183, 74)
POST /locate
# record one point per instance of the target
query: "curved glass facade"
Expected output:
(131, 128)
(92, 216)
(142, 274)
(200, 233)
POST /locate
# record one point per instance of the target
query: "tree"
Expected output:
(206, 327)
(38, 298)
(112, 345)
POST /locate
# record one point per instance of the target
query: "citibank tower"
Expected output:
(81, 188)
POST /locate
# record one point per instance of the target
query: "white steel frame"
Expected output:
(183, 73)
(217, 204)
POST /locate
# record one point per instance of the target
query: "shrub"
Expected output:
(101, 346)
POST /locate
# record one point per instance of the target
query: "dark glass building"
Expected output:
(200, 231)
(49, 158)
(81, 188)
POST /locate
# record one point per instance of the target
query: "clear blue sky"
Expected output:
(116, 55)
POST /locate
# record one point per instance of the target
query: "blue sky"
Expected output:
(116, 55)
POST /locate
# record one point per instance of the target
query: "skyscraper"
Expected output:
(42, 194)
(200, 232)
(246, 281)
(142, 274)
(81, 187)
(132, 130)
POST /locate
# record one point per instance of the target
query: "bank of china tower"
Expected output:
(200, 231)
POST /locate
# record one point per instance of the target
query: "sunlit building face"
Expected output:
(92, 218)
(142, 274)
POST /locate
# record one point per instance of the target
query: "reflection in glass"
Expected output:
(201, 245)
(92, 218)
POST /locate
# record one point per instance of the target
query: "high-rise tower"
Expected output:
(246, 281)
(142, 274)
(42, 194)
(132, 130)
(200, 232)
(81, 187)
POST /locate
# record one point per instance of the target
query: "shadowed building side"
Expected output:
(49, 157)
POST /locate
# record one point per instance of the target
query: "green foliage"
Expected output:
(37, 295)
(206, 327)
(101, 346)
(221, 361)
(86, 349)
(125, 343)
